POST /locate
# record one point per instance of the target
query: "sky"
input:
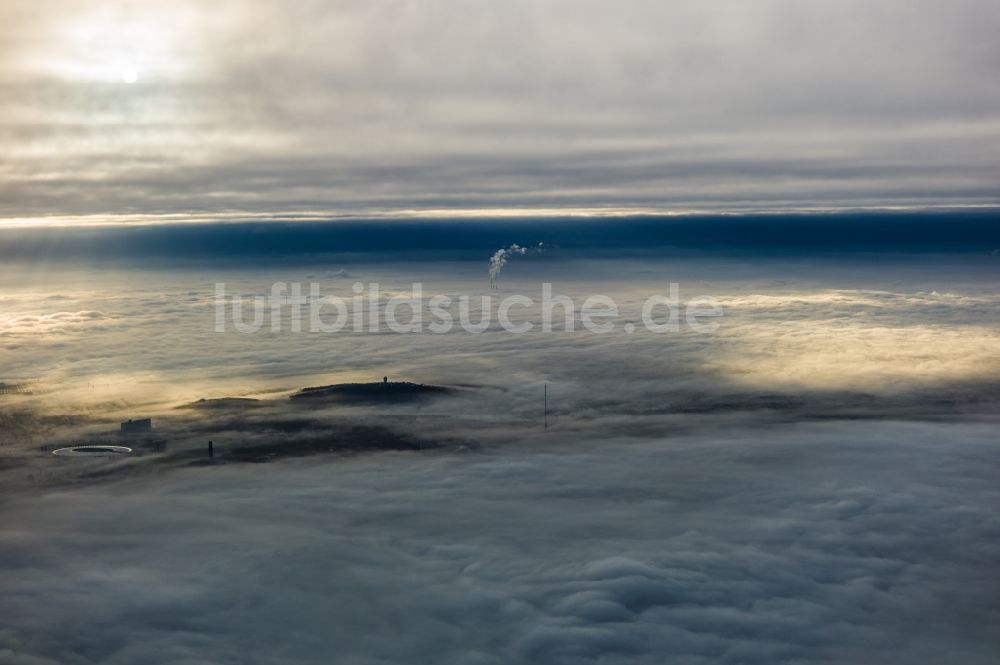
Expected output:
(131, 111)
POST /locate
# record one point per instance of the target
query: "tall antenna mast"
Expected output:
(545, 410)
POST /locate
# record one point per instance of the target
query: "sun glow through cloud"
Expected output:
(116, 45)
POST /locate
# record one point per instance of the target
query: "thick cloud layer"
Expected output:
(272, 107)
(813, 482)
(834, 543)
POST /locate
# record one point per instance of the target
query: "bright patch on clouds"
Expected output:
(856, 298)
(860, 339)
(48, 323)
(813, 354)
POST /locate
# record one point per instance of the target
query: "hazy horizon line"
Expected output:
(461, 214)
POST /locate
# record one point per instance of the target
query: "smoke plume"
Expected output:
(504, 254)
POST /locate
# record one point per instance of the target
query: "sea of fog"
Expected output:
(813, 480)
(115, 339)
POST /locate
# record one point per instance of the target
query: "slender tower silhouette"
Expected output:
(545, 407)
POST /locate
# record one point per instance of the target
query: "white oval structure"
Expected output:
(92, 451)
